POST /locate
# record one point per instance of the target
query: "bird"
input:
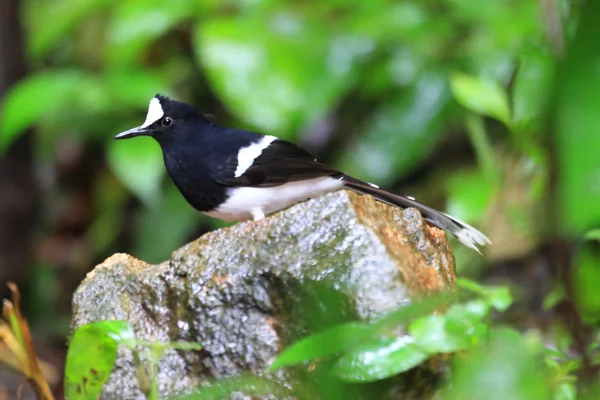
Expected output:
(233, 174)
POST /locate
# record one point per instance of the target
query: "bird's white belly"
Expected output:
(245, 201)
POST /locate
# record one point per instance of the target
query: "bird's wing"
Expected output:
(278, 163)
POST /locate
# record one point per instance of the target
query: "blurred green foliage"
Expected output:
(389, 69)
(389, 91)
(577, 121)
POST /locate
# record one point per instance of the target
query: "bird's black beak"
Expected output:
(139, 131)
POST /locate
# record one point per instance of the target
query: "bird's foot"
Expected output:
(257, 214)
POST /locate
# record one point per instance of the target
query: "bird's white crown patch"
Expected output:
(155, 112)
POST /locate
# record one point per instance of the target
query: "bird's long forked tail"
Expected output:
(465, 233)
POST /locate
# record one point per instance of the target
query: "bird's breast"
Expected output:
(242, 201)
(192, 178)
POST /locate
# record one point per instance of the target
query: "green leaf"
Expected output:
(552, 353)
(572, 366)
(566, 391)
(593, 234)
(183, 345)
(139, 165)
(274, 72)
(576, 126)
(254, 386)
(473, 310)
(431, 335)
(552, 363)
(346, 337)
(402, 133)
(51, 21)
(464, 320)
(35, 97)
(533, 87)
(563, 339)
(470, 285)
(137, 23)
(504, 369)
(592, 393)
(331, 341)
(379, 359)
(486, 158)
(498, 297)
(556, 295)
(91, 357)
(481, 96)
(586, 280)
(420, 307)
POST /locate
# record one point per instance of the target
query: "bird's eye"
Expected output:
(166, 121)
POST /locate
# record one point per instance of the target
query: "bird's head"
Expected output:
(166, 118)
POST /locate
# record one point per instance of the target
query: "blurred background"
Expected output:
(486, 109)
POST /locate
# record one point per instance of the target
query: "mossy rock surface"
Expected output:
(246, 292)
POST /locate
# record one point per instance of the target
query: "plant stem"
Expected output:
(482, 146)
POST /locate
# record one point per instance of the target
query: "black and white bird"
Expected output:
(234, 174)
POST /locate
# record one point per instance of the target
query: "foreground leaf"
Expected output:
(249, 385)
(379, 359)
(500, 298)
(347, 337)
(335, 340)
(459, 328)
(465, 320)
(420, 307)
(431, 335)
(91, 357)
(504, 369)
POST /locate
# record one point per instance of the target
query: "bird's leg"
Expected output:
(257, 214)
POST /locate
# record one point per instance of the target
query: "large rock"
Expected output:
(247, 291)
